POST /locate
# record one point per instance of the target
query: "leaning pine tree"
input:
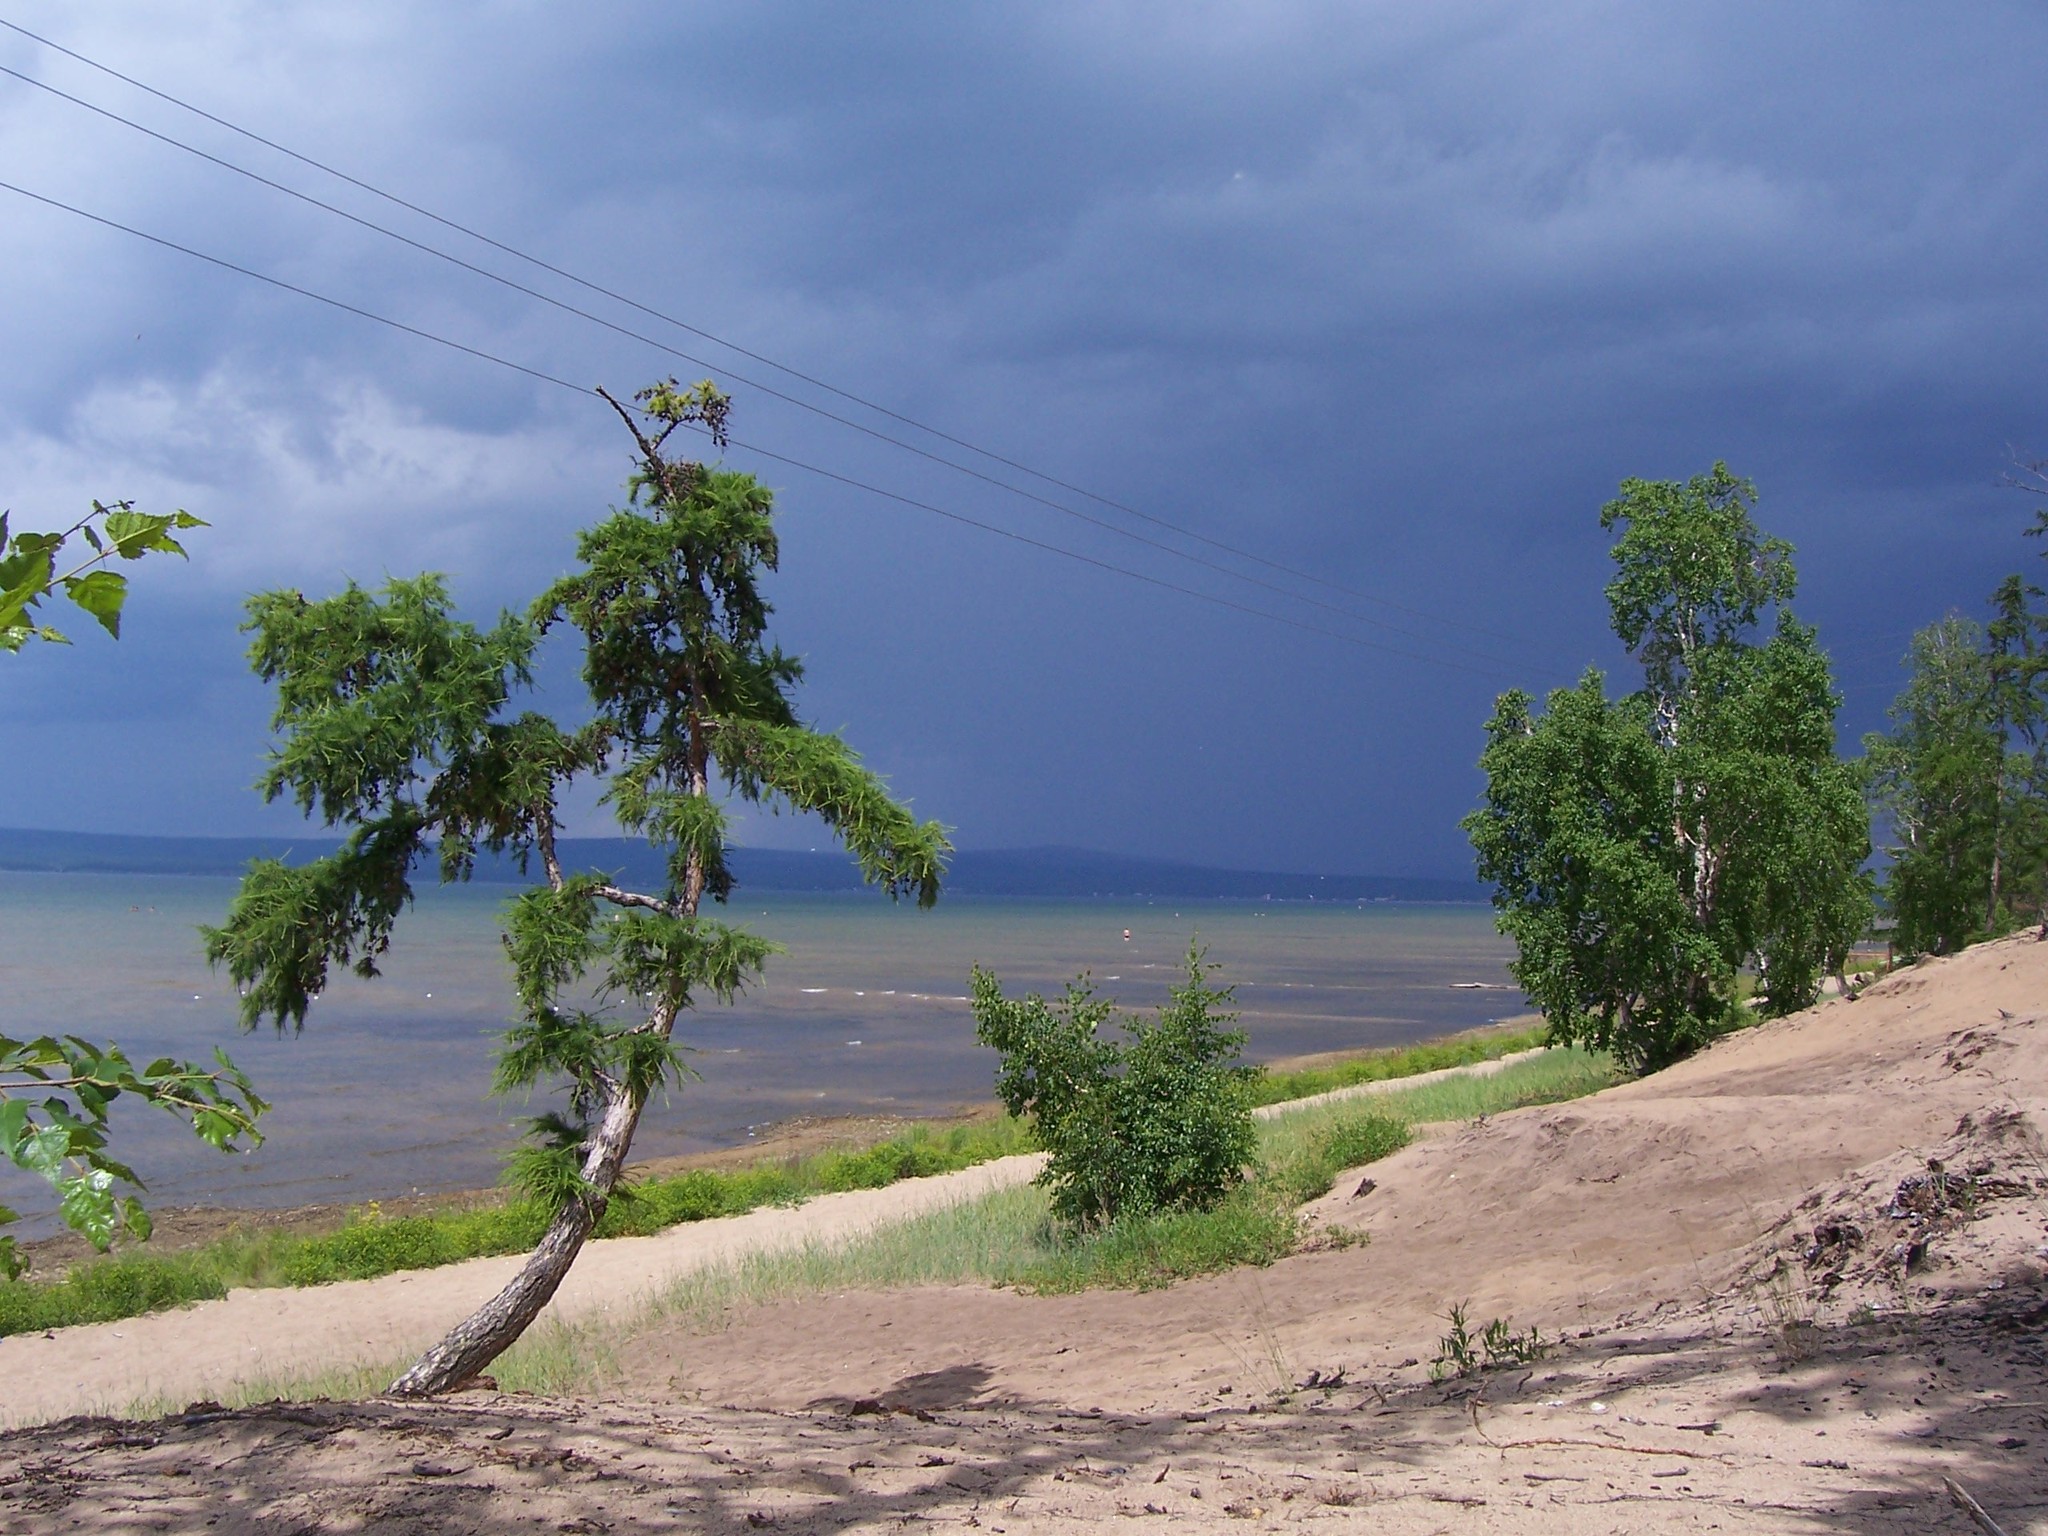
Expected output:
(393, 721)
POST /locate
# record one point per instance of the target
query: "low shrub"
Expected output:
(1255, 1223)
(1461, 1352)
(1160, 1121)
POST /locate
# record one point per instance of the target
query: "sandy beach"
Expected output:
(282, 1333)
(1795, 1284)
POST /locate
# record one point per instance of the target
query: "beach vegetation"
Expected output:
(1646, 850)
(125, 1284)
(369, 1243)
(1309, 1146)
(56, 1092)
(1466, 1351)
(1159, 1120)
(1276, 1085)
(1959, 781)
(395, 721)
(1011, 1237)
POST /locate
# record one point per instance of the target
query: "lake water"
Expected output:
(386, 1091)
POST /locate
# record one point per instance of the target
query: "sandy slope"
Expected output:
(1781, 1320)
(255, 1335)
(268, 1335)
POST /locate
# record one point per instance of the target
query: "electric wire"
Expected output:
(767, 453)
(739, 378)
(735, 347)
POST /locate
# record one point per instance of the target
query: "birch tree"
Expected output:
(56, 1091)
(1644, 851)
(395, 721)
(1961, 777)
(35, 565)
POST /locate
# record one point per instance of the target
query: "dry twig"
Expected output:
(1972, 1508)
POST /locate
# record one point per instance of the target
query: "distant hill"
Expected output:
(1045, 872)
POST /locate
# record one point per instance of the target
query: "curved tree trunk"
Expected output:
(492, 1329)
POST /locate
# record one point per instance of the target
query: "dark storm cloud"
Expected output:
(1394, 294)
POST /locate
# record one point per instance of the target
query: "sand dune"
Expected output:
(1779, 1317)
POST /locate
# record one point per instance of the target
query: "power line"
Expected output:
(795, 373)
(278, 282)
(795, 463)
(768, 389)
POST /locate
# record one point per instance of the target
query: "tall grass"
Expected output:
(1566, 1072)
(1404, 1061)
(1005, 1239)
(368, 1244)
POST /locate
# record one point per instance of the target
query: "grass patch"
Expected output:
(1006, 1239)
(1251, 1225)
(1566, 1072)
(368, 1244)
(104, 1292)
(1405, 1061)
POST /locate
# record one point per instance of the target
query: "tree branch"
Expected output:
(649, 451)
(624, 898)
(544, 838)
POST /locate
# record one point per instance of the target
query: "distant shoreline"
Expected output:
(1059, 874)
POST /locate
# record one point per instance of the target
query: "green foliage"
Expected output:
(32, 566)
(1576, 838)
(1934, 779)
(1160, 1121)
(55, 1094)
(1644, 850)
(1693, 574)
(1461, 1352)
(394, 720)
(1961, 778)
(125, 1285)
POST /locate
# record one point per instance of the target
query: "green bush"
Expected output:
(1158, 1122)
(1255, 1222)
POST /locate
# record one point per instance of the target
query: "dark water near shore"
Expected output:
(386, 1091)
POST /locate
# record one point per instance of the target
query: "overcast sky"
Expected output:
(1390, 295)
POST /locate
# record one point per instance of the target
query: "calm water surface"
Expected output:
(387, 1089)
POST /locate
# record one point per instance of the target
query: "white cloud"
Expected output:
(300, 484)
